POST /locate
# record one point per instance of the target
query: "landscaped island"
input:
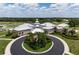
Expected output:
(37, 42)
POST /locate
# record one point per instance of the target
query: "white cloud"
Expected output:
(34, 10)
(32, 4)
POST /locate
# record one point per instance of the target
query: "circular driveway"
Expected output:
(57, 49)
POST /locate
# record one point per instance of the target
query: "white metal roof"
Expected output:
(48, 24)
(63, 25)
(37, 30)
(47, 27)
(37, 25)
(25, 26)
(59, 27)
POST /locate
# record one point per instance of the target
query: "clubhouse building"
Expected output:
(38, 27)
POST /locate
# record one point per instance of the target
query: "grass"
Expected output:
(77, 28)
(12, 24)
(3, 44)
(2, 33)
(3, 37)
(8, 25)
(39, 50)
(73, 44)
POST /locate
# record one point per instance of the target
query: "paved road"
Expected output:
(57, 49)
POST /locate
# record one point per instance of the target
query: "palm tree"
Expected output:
(55, 29)
(64, 31)
(72, 32)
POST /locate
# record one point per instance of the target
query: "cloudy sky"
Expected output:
(39, 10)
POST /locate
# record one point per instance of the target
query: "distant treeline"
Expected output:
(72, 21)
(33, 19)
(27, 19)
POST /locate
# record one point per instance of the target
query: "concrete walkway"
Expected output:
(15, 47)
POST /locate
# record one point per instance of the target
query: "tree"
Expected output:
(55, 29)
(14, 35)
(36, 40)
(64, 31)
(73, 22)
(8, 33)
(42, 37)
(72, 32)
(31, 37)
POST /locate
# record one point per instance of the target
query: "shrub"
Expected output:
(72, 32)
(14, 35)
(8, 33)
(35, 44)
(64, 31)
(69, 35)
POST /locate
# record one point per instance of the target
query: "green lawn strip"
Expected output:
(9, 25)
(2, 33)
(39, 50)
(57, 23)
(5, 39)
(2, 36)
(11, 22)
(73, 44)
(78, 33)
(77, 28)
(3, 44)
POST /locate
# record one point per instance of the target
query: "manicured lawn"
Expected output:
(39, 50)
(77, 28)
(3, 44)
(8, 25)
(13, 24)
(57, 23)
(2, 33)
(3, 37)
(73, 44)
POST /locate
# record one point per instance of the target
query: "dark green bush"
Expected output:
(14, 35)
(35, 44)
(8, 33)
